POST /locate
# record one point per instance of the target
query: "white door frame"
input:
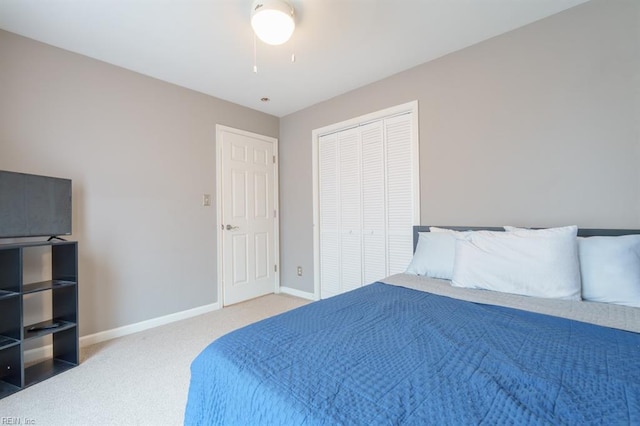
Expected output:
(276, 223)
(411, 107)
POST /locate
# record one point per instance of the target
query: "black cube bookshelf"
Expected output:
(62, 326)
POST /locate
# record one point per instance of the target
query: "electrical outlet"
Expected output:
(299, 271)
(206, 200)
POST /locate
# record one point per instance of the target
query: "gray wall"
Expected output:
(536, 127)
(141, 153)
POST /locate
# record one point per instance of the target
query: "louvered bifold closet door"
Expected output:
(399, 190)
(374, 250)
(329, 203)
(366, 203)
(350, 189)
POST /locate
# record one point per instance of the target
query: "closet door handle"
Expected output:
(231, 228)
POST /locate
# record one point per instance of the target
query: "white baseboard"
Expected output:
(102, 336)
(37, 354)
(298, 293)
(45, 352)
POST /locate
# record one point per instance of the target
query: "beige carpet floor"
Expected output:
(140, 379)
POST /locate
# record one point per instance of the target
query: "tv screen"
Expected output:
(34, 206)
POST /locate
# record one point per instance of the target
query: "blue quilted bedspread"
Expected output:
(390, 355)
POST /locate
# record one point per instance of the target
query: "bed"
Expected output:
(416, 350)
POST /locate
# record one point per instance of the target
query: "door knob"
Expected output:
(231, 228)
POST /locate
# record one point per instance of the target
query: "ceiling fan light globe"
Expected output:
(272, 21)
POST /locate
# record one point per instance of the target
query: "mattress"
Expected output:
(390, 354)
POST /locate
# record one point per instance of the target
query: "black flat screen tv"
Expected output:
(34, 206)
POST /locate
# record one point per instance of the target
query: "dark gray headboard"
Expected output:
(582, 232)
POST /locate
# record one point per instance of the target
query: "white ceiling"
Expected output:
(207, 45)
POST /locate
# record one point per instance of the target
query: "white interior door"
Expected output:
(247, 215)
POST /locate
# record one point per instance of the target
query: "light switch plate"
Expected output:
(206, 200)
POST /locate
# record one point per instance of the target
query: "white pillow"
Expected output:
(610, 268)
(434, 255)
(541, 263)
(448, 231)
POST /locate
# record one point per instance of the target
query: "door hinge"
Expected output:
(274, 159)
(275, 268)
(274, 214)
